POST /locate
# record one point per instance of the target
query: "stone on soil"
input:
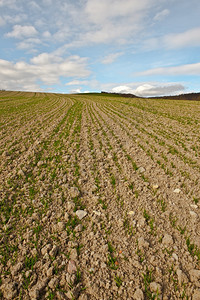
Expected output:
(81, 214)
(71, 267)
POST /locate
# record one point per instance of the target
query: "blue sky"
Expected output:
(145, 47)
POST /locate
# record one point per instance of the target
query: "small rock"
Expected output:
(46, 249)
(66, 217)
(34, 294)
(16, 269)
(91, 270)
(155, 186)
(74, 192)
(120, 222)
(193, 214)
(70, 295)
(73, 254)
(70, 206)
(138, 295)
(60, 226)
(83, 297)
(131, 213)
(40, 163)
(53, 283)
(5, 153)
(28, 273)
(81, 214)
(142, 243)
(60, 295)
(141, 170)
(97, 213)
(54, 251)
(35, 216)
(177, 191)
(175, 256)
(196, 295)
(141, 222)
(24, 206)
(194, 206)
(50, 271)
(181, 276)
(21, 173)
(194, 275)
(78, 228)
(9, 290)
(167, 240)
(71, 267)
(155, 287)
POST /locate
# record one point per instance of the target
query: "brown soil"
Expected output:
(99, 197)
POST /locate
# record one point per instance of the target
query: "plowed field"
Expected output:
(99, 197)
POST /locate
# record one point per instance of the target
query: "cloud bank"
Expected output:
(150, 90)
(45, 68)
(189, 69)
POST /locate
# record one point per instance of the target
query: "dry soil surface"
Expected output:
(99, 197)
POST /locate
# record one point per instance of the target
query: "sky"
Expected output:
(144, 47)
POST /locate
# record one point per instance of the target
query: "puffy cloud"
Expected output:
(44, 68)
(17, 18)
(161, 15)
(123, 89)
(184, 39)
(152, 90)
(45, 59)
(29, 44)
(189, 69)
(111, 58)
(189, 38)
(149, 90)
(115, 20)
(22, 32)
(77, 91)
(46, 34)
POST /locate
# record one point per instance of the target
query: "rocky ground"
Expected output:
(99, 197)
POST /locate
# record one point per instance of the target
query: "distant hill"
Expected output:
(189, 96)
(121, 95)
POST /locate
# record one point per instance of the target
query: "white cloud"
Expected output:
(78, 82)
(17, 18)
(184, 39)
(189, 38)
(2, 21)
(44, 68)
(34, 5)
(106, 21)
(77, 91)
(9, 3)
(123, 89)
(46, 34)
(29, 44)
(149, 90)
(189, 69)
(101, 11)
(111, 58)
(161, 90)
(22, 32)
(161, 15)
(45, 59)
(115, 20)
